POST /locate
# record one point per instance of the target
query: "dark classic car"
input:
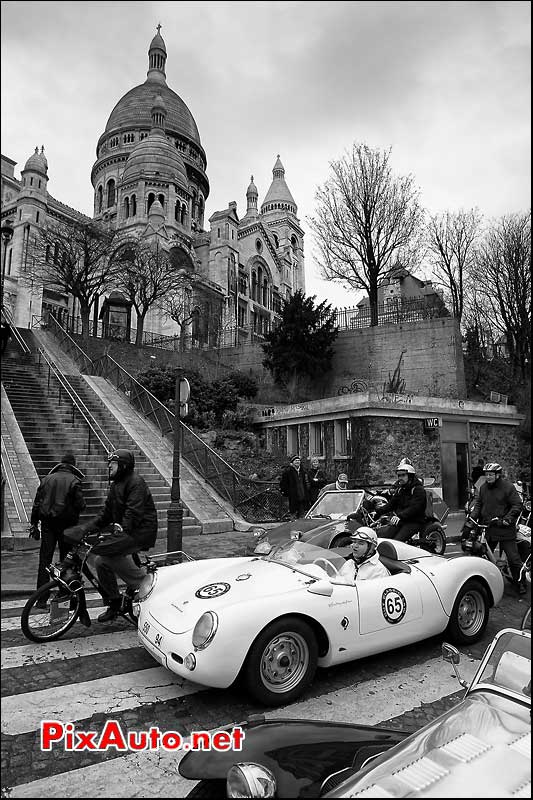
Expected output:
(479, 748)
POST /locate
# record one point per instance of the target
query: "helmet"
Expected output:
(492, 467)
(125, 460)
(405, 466)
(342, 478)
(369, 536)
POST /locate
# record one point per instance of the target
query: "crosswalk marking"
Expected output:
(66, 649)
(13, 623)
(23, 712)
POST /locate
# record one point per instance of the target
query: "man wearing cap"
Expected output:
(340, 485)
(408, 505)
(363, 561)
(57, 505)
(294, 486)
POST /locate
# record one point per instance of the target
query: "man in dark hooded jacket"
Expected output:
(57, 505)
(130, 508)
(408, 505)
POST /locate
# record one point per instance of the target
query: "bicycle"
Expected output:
(66, 591)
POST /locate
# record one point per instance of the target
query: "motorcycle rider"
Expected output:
(130, 507)
(498, 505)
(363, 562)
(340, 485)
(408, 505)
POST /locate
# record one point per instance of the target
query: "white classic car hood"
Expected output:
(218, 584)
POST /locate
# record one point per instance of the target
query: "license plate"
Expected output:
(153, 636)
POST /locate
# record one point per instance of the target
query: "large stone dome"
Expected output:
(134, 111)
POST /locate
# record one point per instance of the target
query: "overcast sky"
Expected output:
(445, 84)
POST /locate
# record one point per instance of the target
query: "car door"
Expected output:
(390, 611)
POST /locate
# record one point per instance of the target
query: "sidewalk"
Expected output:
(19, 567)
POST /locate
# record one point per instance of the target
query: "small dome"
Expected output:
(37, 162)
(158, 43)
(155, 156)
(279, 193)
(156, 210)
(252, 189)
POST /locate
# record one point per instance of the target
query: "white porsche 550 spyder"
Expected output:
(273, 619)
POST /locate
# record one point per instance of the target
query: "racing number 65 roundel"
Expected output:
(393, 605)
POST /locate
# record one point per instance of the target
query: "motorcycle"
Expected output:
(432, 534)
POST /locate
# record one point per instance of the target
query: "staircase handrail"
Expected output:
(81, 358)
(8, 317)
(260, 500)
(77, 402)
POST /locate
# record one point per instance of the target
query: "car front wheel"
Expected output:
(281, 662)
(470, 613)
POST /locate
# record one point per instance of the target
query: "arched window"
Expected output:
(151, 198)
(265, 293)
(134, 205)
(161, 198)
(110, 193)
(183, 218)
(126, 207)
(201, 211)
(254, 286)
(56, 253)
(99, 199)
(276, 239)
(294, 243)
(47, 256)
(177, 210)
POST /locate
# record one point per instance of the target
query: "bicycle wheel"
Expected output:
(48, 624)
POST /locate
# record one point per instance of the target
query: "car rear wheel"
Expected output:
(281, 662)
(470, 614)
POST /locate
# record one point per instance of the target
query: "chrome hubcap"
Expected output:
(284, 662)
(471, 613)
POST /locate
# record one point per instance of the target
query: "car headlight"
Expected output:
(263, 548)
(250, 780)
(259, 531)
(146, 587)
(204, 630)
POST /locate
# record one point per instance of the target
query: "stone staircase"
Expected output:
(49, 428)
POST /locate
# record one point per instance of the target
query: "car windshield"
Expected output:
(336, 504)
(309, 559)
(509, 664)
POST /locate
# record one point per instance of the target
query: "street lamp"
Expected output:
(7, 234)
(175, 509)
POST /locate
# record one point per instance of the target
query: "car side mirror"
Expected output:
(453, 656)
(321, 587)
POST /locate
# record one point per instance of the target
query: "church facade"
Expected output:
(150, 184)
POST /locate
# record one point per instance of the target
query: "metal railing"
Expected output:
(10, 480)
(15, 333)
(256, 501)
(95, 430)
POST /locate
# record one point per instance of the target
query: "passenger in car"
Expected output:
(363, 562)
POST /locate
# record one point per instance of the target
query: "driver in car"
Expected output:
(363, 562)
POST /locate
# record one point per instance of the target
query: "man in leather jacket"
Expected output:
(130, 507)
(498, 505)
(57, 505)
(408, 505)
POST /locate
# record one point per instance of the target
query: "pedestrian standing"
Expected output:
(498, 505)
(293, 485)
(6, 333)
(315, 480)
(57, 505)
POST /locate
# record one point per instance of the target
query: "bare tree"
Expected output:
(72, 257)
(146, 274)
(367, 220)
(505, 281)
(451, 245)
(184, 302)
